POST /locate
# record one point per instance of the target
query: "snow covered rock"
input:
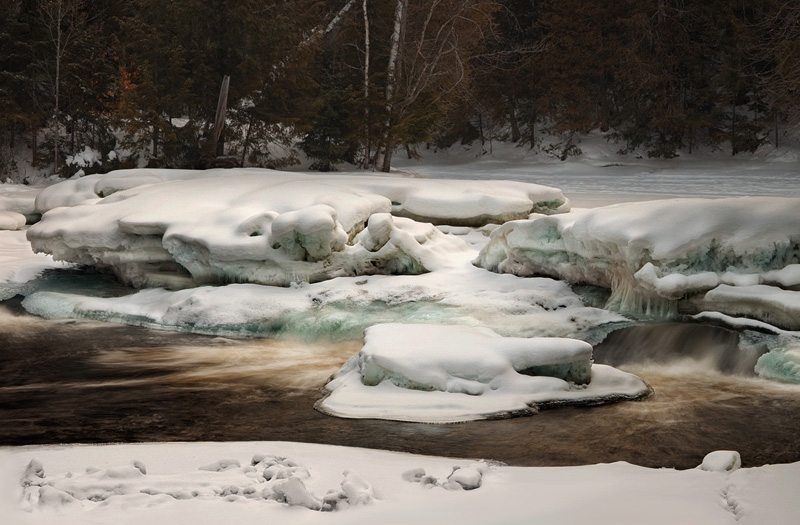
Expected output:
(182, 228)
(19, 198)
(443, 373)
(653, 254)
(721, 461)
(11, 220)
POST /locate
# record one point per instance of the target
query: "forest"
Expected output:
(357, 81)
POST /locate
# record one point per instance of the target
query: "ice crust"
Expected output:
(654, 254)
(445, 374)
(179, 228)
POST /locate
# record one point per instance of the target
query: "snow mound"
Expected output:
(266, 479)
(654, 254)
(11, 220)
(19, 198)
(467, 477)
(446, 373)
(183, 228)
(721, 461)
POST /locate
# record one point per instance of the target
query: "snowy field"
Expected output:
(353, 252)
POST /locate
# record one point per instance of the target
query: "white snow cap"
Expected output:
(445, 373)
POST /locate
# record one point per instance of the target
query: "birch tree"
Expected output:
(62, 20)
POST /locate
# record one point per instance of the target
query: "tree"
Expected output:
(63, 20)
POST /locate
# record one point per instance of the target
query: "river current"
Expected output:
(90, 382)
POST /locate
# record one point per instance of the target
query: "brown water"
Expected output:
(91, 382)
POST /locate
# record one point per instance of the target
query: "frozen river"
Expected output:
(90, 382)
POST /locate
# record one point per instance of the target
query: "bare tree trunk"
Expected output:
(57, 87)
(367, 152)
(246, 144)
(776, 129)
(512, 119)
(384, 158)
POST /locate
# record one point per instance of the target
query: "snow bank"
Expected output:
(265, 226)
(653, 254)
(161, 483)
(19, 265)
(444, 374)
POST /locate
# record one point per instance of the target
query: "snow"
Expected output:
(11, 220)
(19, 265)
(85, 159)
(652, 254)
(446, 374)
(165, 483)
(721, 461)
(19, 198)
(266, 226)
(292, 482)
(766, 303)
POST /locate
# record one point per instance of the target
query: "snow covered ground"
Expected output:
(293, 482)
(257, 482)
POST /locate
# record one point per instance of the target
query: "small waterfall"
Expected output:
(702, 347)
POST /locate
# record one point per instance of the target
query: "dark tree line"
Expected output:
(354, 80)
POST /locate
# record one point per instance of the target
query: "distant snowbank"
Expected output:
(211, 483)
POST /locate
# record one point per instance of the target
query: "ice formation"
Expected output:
(450, 373)
(653, 255)
(182, 228)
(342, 308)
(19, 265)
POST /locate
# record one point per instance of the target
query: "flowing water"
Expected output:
(92, 382)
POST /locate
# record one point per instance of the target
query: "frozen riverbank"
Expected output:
(254, 482)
